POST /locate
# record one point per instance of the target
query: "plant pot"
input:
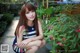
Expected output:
(48, 46)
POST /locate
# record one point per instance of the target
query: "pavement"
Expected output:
(8, 38)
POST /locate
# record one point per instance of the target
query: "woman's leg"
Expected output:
(39, 43)
(33, 49)
(30, 44)
(34, 43)
(43, 42)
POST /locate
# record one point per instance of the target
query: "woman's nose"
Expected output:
(31, 14)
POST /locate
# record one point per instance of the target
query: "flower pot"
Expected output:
(48, 46)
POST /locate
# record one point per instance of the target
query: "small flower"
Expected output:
(63, 39)
(78, 30)
(50, 27)
(60, 44)
(51, 37)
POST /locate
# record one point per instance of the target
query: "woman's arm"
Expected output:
(21, 43)
(19, 36)
(40, 32)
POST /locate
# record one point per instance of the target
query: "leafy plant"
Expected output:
(60, 32)
(2, 26)
(42, 11)
(7, 17)
(57, 9)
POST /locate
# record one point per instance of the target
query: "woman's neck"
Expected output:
(30, 23)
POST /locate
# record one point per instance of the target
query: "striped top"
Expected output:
(30, 33)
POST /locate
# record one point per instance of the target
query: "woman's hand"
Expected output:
(24, 43)
(21, 45)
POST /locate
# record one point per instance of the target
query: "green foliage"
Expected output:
(60, 30)
(68, 7)
(5, 20)
(2, 26)
(7, 17)
(63, 32)
(42, 11)
(48, 11)
(58, 9)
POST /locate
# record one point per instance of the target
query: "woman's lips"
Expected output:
(32, 17)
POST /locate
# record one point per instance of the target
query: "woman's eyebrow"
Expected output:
(27, 10)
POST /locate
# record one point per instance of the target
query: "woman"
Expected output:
(28, 34)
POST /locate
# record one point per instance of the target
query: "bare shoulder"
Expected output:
(39, 22)
(21, 27)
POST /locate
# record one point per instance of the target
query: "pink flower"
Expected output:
(63, 39)
(78, 30)
(51, 37)
(50, 27)
(60, 44)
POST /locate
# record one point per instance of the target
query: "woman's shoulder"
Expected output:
(22, 27)
(39, 21)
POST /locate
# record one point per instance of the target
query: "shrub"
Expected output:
(7, 17)
(2, 27)
(62, 32)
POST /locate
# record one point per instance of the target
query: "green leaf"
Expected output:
(78, 35)
(49, 11)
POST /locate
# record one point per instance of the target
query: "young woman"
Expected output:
(28, 34)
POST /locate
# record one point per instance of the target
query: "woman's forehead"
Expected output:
(29, 10)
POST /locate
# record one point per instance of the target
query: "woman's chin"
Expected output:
(31, 19)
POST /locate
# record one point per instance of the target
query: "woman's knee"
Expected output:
(43, 42)
(34, 43)
(33, 49)
(38, 43)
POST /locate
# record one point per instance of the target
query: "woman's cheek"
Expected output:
(27, 15)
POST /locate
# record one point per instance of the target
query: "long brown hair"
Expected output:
(23, 19)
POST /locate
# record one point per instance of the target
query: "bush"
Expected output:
(7, 17)
(3, 26)
(5, 20)
(63, 32)
(14, 8)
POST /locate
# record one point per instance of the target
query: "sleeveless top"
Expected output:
(30, 33)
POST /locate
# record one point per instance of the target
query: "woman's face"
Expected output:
(30, 15)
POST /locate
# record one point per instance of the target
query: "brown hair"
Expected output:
(23, 19)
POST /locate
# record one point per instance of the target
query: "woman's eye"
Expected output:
(27, 12)
(32, 11)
